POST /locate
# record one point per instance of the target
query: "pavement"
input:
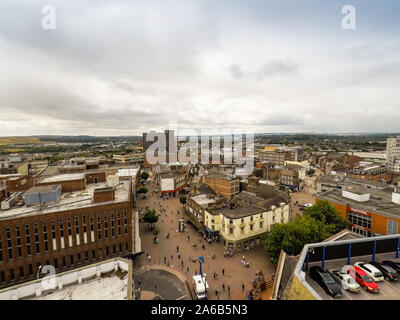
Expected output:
(235, 275)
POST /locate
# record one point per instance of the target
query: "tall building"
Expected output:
(50, 226)
(168, 139)
(393, 154)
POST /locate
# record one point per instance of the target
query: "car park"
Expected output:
(344, 280)
(325, 281)
(388, 272)
(363, 279)
(394, 265)
(372, 271)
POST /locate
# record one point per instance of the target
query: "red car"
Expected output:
(364, 280)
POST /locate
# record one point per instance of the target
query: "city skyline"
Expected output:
(118, 69)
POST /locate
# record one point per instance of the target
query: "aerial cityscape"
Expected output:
(199, 150)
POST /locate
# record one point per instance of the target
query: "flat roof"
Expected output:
(100, 288)
(63, 177)
(379, 202)
(203, 199)
(35, 189)
(70, 201)
(127, 172)
(240, 212)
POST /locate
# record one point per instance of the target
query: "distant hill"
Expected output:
(19, 140)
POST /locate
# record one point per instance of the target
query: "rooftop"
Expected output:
(69, 201)
(379, 201)
(63, 177)
(203, 200)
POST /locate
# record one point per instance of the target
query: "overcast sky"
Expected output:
(125, 67)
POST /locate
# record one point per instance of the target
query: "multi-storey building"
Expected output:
(393, 154)
(223, 184)
(239, 223)
(65, 229)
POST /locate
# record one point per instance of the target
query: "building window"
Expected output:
(230, 220)
(84, 223)
(77, 235)
(91, 227)
(105, 225)
(69, 226)
(12, 274)
(261, 215)
(261, 225)
(107, 251)
(28, 240)
(112, 224)
(242, 220)
(18, 236)
(230, 231)
(9, 246)
(2, 277)
(56, 263)
(53, 235)
(392, 227)
(120, 247)
(119, 222)
(87, 255)
(251, 218)
(61, 228)
(79, 258)
(98, 226)
(360, 220)
(64, 262)
(251, 227)
(30, 269)
(71, 259)
(242, 229)
(36, 231)
(125, 222)
(113, 248)
(46, 244)
(21, 272)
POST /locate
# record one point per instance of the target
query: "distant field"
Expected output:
(18, 140)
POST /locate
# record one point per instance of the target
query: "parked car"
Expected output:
(373, 272)
(394, 265)
(364, 280)
(325, 281)
(344, 280)
(389, 273)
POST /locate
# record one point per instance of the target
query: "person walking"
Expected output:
(243, 287)
(223, 272)
(177, 248)
(223, 287)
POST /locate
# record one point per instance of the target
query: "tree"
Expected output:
(323, 211)
(144, 175)
(142, 190)
(150, 217)
(182, 199)
(318, 223)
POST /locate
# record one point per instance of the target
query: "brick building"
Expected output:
(78, 228)
(223, 184)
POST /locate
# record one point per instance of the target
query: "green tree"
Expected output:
(182, 199)
(318, 223)
(324, 212)
(310, 172)
(144, 175)
(142, 190)
(151, 217)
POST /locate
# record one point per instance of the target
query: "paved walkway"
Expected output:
(235, 275)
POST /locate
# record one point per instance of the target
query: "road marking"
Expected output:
(347, 295)
(183, 297)
(393, 287)
(364, 293)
